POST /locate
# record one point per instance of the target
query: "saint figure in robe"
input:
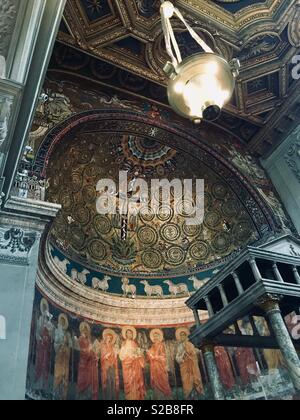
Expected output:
(44, 334)
(133, 364)
(157, 356)
(88, 377)
(109, 366)
(62, 346)
(225, 368)
(187, 358)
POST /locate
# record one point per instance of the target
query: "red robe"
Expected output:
(247, 364)
(43, 350)
(133, 373)
(88, 377)
(158, 369)
(225, 368)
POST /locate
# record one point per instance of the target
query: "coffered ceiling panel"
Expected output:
(264, 35)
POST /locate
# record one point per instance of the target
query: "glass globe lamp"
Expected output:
(201, 85)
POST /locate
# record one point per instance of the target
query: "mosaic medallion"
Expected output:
(147, 235)
(97, 250)
(219, 190)
(192, 230)
(165, 213)
(242, 231)
(175, 255)
(152, 259)
(212, 219)
(92, 170)
(146, 215)
(147, 150)
(221, 242)
(85, 156)
(102, 225)
(185, 208)
(170, 232)
(89, 194)
(199, 250)
(82, 215)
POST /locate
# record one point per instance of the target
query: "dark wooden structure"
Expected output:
(267, 271)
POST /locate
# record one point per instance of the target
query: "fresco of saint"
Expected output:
(273, 357)
(187, 358)
(88, 377)
(247, 365)
(44, 335)
(245, 358)
(109, 366)
(133, 364)
(157, 356)
(62, 346)
(225, 368)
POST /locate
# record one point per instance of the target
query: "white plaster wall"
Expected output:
(17, 285)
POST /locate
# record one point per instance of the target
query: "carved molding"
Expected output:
(270, 303)
(8, 17)
(292, 156)
(294, 28)
(15, 245)
(5, 112)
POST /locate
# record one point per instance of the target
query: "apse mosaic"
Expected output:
(162, 243)
(74, 359)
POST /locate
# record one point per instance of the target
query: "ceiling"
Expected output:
(120, 43)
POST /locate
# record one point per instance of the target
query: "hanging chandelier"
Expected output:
(200, 85)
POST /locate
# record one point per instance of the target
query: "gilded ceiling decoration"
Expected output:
(161, 256)
(154, 243)
(125, 38)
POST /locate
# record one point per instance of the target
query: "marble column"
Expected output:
(238, 283)
(223, 295)
(213, 372)
(21, 228)
(209, 307)
(271, 307)
(197, 317)
(255, 270)
(296, 275)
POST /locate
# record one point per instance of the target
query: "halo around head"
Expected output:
(157, 332)
(110, 332)
(42, 304)
(132, 329)
(63, 317)
(84, 326)
(181, 330)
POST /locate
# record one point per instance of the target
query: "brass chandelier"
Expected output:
(200, 85)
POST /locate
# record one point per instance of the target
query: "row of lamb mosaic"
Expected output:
(130, 290)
